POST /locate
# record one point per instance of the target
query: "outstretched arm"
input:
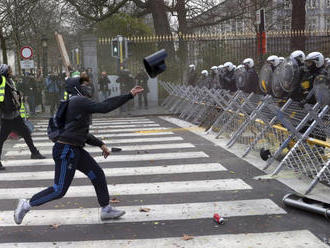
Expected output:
(110, 104)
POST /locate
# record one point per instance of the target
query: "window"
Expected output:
(328, 3)
(312, 24)
(239, 27)
(287, 4)
(311, 4)
(327, 24)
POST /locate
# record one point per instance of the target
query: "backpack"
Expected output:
(56, 124)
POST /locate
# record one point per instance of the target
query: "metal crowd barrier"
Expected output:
(296, 136)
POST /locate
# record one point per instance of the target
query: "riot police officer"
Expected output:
(298, 57)
(204, 79)
(252, 76)
(192, 75)
(228, 77)
(214, 79)
(315, 66)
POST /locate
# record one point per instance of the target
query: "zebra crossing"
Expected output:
(168, 183)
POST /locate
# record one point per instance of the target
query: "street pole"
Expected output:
(44, 44)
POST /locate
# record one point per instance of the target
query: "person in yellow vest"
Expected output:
(11, 113)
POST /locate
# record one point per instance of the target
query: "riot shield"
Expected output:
(241, 78)
(285, 78)
(322, 89)
(265, 79)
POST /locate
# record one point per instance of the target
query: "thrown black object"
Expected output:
(155, 63)
(307, 204)
(265, 154)
(116, 149)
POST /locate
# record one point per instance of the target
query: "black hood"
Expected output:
(72, 84)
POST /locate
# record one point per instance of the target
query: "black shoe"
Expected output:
(1, 167)
(37, 155)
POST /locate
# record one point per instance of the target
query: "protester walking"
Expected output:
(10, 105)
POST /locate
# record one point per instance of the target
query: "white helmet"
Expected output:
(220, 67)
(229, 66)
(248, 62)
(239, 67)
(192, 67)
(282, 59)
(298, 55)
(214, 68)
(316, 58)
(274, 60)
(205, 72)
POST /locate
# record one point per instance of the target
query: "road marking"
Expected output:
(114, 158)
(94, 149)
(105, 136)
(112, 141)
(117, 172)
(44, 129)
(292, 239)
(137, 188)
(114, 130)
(157, 213)
(105, 123)
(105, 120)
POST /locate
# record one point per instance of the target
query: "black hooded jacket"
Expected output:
(10, 106)
(79, 115)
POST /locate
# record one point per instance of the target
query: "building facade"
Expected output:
(278, 17)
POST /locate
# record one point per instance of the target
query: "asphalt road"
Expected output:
(170, 181)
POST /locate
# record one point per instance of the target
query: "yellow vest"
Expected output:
(2, 89)
(22, 110)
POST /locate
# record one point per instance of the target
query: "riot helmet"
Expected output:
(228, 66)
(299, 56)
(273, 60)
(248, 63)
(281, 59)
(314, 60)
(205, 73)
(192, 67)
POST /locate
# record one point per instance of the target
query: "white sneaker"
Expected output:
(109, 213)
(22, 208)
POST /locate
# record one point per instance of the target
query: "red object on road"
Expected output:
(13, 136)
(218, 219)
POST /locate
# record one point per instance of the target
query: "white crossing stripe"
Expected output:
(116, 172)
(105, 123)
(125, 148)
(114, 158)
(112, 141)
(292, 239)
(157, 213)
(115, 130)
(136, 188)
(103, 136)
(107, 120)
(41, 129)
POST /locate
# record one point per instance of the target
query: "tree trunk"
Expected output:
(3, 47)
(161, 23)
(183, 45)
(298, 23)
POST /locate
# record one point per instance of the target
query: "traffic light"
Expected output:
(115, 48)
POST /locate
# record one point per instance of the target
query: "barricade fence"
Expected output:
(297, 136)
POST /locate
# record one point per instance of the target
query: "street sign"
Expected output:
(27, 64)
(26, 52)
(260, 16)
